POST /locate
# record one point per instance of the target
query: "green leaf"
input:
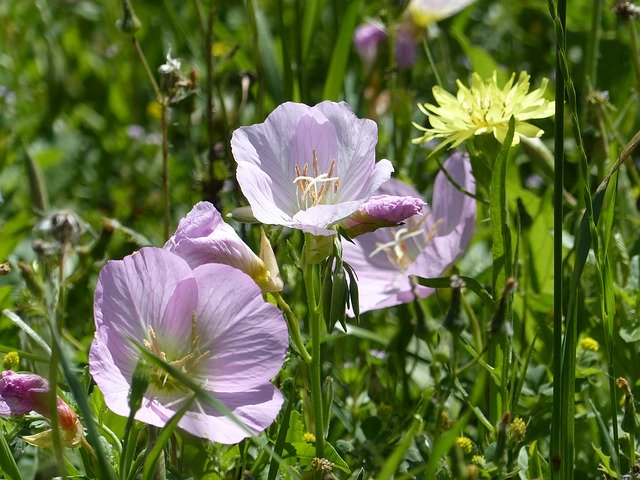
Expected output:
(482, 62)
(307, 451)
(471, 283)
(8, 464)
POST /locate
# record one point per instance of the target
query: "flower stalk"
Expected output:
(310, 273)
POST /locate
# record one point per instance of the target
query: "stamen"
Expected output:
(312, 190)
(398, 250)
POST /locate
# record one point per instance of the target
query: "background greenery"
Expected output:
(77, 111)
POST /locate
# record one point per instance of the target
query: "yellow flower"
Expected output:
(518, 429)
(465, 444)
(309, 437)
(485, 108)
(589, 343)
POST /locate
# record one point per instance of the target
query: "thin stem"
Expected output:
(143, 59)
(294, 327)
(635, 52)
(165, 171)
(557, 423)
(310, 273)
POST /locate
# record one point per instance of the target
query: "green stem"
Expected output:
(557, 424)
(143, 59)
(635, 52)
(294, 327)
(165, 170)
(315, 321)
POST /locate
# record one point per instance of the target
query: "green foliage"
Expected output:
(80, 130)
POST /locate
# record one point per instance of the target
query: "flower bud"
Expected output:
(381, 211)
(626, 10)
(499, 323)
(272, 281)
(169, 73)
(322, 464)
(139, 384)
(456, 320)
(129, 23)
(11, 361)
(21, 393)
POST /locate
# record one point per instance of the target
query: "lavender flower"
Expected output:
(211, 322)
(308, 167)
(203, 237)
(368, 36)
(366, 39)
(426, 245)
(405, 48)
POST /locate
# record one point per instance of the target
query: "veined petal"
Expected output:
(151, 288)
(452, 221)
(304, 161)
(246, 336)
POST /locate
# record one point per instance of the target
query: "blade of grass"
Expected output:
(27, 329)
(558, 426)
(340, 56)
(312, 11)
(471, 283)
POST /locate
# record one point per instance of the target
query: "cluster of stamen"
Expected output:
(313, 189)
(399, 251)
(188, 363)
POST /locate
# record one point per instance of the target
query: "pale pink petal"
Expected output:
(336, 148)
(151, 288)
(246, 336)
(203, 237)
(453, 217)
(256, 409)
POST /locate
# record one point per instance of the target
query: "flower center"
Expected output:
(319, 188)
(187, 362)
(408, 242)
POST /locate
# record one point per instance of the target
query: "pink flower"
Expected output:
(425, 246)
(211, 322)
(203, 237)
(21, 393)
(308, 167)
(368, 36)
(366, 39)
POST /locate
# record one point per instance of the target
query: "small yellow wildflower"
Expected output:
(589, 343)
(478, 460)
(485, 108)
(11, 361)
(465, 444)
(309, 437)
(518, 429)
